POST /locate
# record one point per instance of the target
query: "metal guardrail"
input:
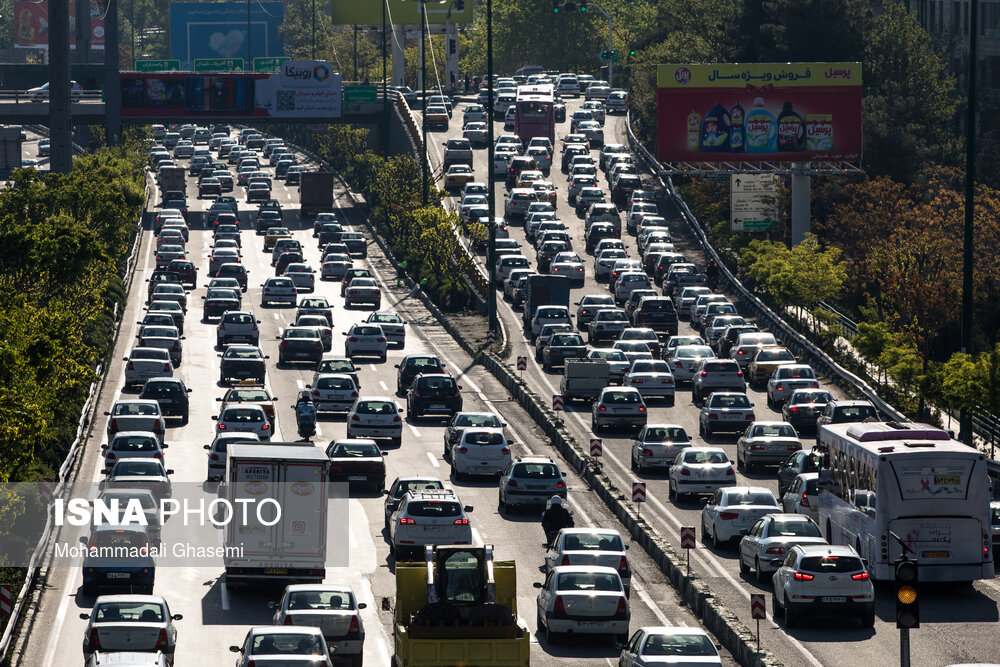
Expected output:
(792, 339)
(847, 325)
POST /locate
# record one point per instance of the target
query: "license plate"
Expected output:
(433, 529)
(935, 554)
(838, 598)
(276, 570)
(357, 478)
(619, 411)
(480, 469)
(245, 430)
(732, 416)
(119, 575)
(438, 406)
(591, 624)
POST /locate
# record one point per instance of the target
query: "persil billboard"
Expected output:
(759, 112)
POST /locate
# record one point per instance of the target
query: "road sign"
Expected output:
(167, 65)
(522, 363)
(360, 94)
(638, 492)
(609, 55)
(757, 608)
(596, 447)
(218, 64)
(557, 402)
(47, 490)
(5, 600)
(687, 537)
(269, 64)
(491, 337)
(752, 202)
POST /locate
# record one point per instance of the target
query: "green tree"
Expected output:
(959, 383)
(801, 30)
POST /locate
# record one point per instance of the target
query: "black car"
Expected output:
(170, 393)
(187, 272)
(243, 362)
(559, 111)
(160, 277)
(433, 393)
(657, 313)
(270, 205)
(801, 461)
(218, 301)
(300, 344)
(413, 365)
(571, 152)
(356, 244)
(599, 231)
(624, 187)
(330, 232)
(804, 406)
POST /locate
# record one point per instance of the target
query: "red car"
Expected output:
(187, 271)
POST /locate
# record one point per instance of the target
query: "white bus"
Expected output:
(911, 480)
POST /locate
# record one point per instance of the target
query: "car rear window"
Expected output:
(592, 542)
(334, 383)
(242, 415)
(355, 449)
(375, 408)
(666, 434)
(828, 564)
(625, 397)
(536, 471)
(133, 443)
(434, 508)
(588, 581)
(484, 438)
(794, 529)
(705, 457)
(730, 401)
(752, 498)
(136, 409)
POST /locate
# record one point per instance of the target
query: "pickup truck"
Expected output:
(583, 379)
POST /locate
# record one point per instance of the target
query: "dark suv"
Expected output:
(841, 412)
(433, 393)
(657, 313)
(413, 365)
(517, 164)
(170, 393)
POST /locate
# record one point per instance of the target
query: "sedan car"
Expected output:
(279, 290)
(766, 442)
(300, 343)
(358, 462)
(700, 470)
(652, 377)
(242, 362)
(165, 338)
(219, 302)
(322, 327)
(392, 325)
(243, 418)
(657, 446)
(669, 645)
(258, 191)
(363, 290)
(618, 406)
(135, 415)
(375, 417)
(138, 473)
(457, 176)
(725, 411)
(130, 623)
(582, 599)
(562, 346)
(804, 406)
(606, 324)
(333, 608)
(135, 574)
(480, 451)
(603, 547)
(823, 580)
(771, 538)
(365, 339)
(315, 306)
(730, 513)
(765, 361)
(283, 645)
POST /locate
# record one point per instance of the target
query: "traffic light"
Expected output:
(907, 596)
(555, 6)
(460, 5)
(631, 53)
(583, 6)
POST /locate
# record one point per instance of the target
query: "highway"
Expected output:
(214, 617)
(953, 622)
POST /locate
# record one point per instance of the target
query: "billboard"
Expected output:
(300, 89)
(399, 12)
(758, 112)
(219, 30)
(31, 25)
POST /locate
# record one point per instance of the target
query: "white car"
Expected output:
(480, 451)
(377, 418)
(590, 546)
(428, 516)
(365, 339)
(283, 645)
(606, 324)
(333, 608)
(628, 282)
(548, 315)
(393, 326)
(322, 327)
(684, 360)
(634, 350)
(778, 389)
(588, 306)
(335, 266)
(135, 415)
(652, 377)
(823, 580)
(729, 411)
(731, 513)
(770, 442)
(582, 599)
(636, 212)
(700, 470)
(144, 363)
(663, 645)
(802, 495)
(657, 446)
(243, 418)
(605, 261)
(280, 290)
(363, 290)
(332, 392)
(132, 445)
(302, 275)
(770, 539)
(130, 623)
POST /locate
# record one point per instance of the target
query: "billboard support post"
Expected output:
(112, 82)
(60, 127)
(801, 199)
(249, 40)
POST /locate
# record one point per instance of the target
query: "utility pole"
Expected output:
(965, 419)
(112, 78)
(385, 91)
(491, 253)
(314, 29)
(355, 53)
(60, 122)
(249, 66)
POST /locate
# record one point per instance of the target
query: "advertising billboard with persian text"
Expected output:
(31, 25)
(763, 112)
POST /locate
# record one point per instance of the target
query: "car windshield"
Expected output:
(829, 564)
(773, 431)
(592, 542)
(794, 529)
(129, 612)
(320, 600)
(705, 457)
(730, 401)
(136, 409)
(751, 498)
(536, 471)
(488, 421)
(588, 581)
(355, 449)
(698, 645)
(666, 434)
(287, 644)
(434, 508)
(375, 408)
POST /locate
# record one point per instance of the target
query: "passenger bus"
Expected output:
(533, 113)
(913, 481)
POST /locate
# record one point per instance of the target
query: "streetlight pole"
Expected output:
(611, 64)
(491, 253)
(965, 421)
(385, 91)
(423, 91)
(249, 67)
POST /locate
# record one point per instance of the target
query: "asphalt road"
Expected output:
(215, 618)
(954, 621)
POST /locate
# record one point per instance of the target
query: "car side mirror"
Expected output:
(362, 605)
(468, 508)
(215, 418)
(164, 446)
(107, 413)
(208, 447)
(218, 355)
(272, 605)
(536, 584)
(85, 616)
(235, 649)
(170, 471)
(267, 356)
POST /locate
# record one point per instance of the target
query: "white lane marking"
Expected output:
(372, 366)
(224, 594)
(415, 431)
(319, 431)
(384, 386)
(477, 538)
(275, 315)
(300, 384)
(433, 460)
(351, 539)
(383, 640)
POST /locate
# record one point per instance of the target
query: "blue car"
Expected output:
(128, 567)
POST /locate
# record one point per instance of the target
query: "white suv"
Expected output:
(428, 517)
(480, 451)
(823, 580)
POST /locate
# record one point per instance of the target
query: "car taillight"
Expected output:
(462, 450)
(793, 409)
(750, 416)
(112, 456)
(757, 448)
(740, 373)
(161, 639)
(802, 576)
(730, 472)
(355, 625)
(222, 427)
(704, 373)
(775, 551)
(805, 500)
(713, 416)
(505, 450)
(157, 425)
(558, 606)
(95, 640)
(213, 457)
(265, 427)
(860, 576)
(353, 339)
(728, 516)
(462, 522)
(686, 472)
(642, 408)
(621, 603)
(623, 567)
(780, 387)
(381, 339)
(407, 520)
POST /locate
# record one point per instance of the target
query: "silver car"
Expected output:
(724, 411)
(656, 447)
(770, 442)
(333, 608)
(130, 623)
(283, 645)
(144, 363)
(618, 406)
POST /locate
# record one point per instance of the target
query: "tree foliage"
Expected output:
(803, 276)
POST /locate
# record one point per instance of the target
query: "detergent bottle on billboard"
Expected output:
(694, 130)
(760, 129)
(736, 129)
(715, 130)
(791, 130)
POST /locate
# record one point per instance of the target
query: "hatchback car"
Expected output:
(375, 417)
(138, 624)
(700, 470)
(278, 290)
(823, 580)
(530, 480)
(134, 574)
(434, 393)
(245, 418)
(652, 377)
(131, 444)
(663, 645)
(802, 495)
(730, 513)
(426, 516)
(480, 451)
(366, 340)
(242, 362)
(656, 447)
(165, 338)
(713, 375)
(787, 371)
(618, 406)
(771, 538)
(300, 344)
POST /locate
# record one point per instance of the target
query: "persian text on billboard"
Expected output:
(31, 25)
(759, 112)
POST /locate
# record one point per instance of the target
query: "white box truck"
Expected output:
(266, 545)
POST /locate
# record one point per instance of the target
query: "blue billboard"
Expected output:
(219, 30)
